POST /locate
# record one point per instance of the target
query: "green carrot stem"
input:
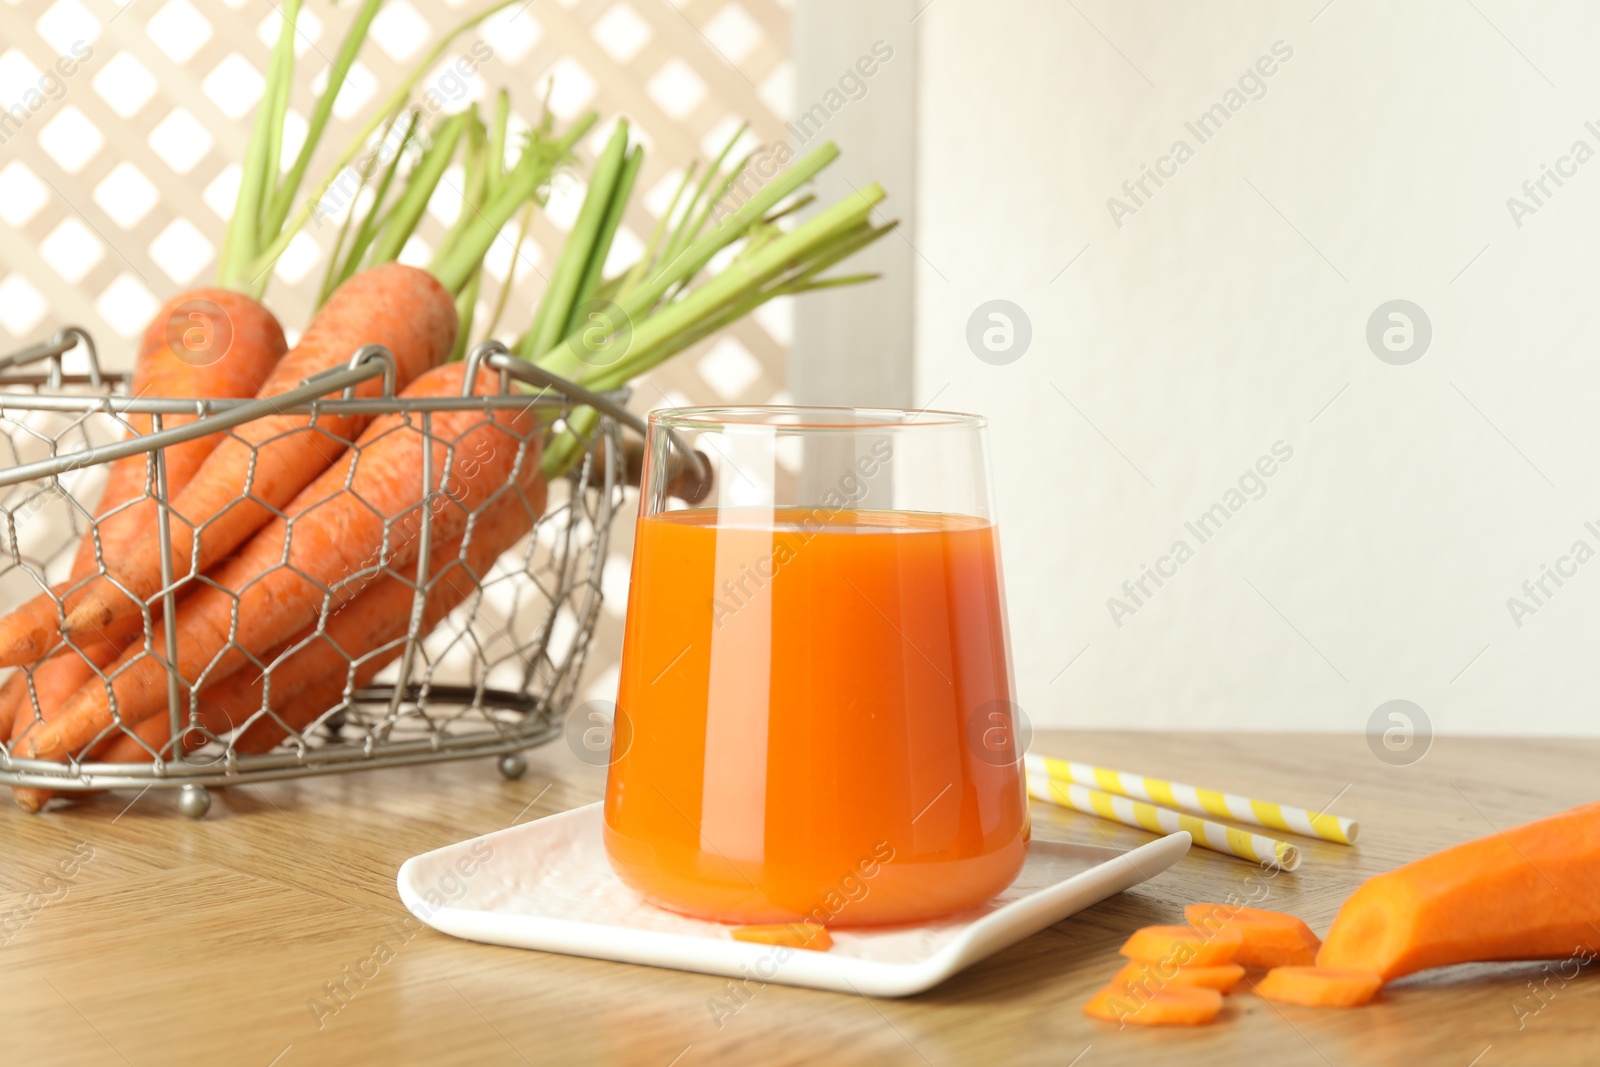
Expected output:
(799, 203)
(839, 245)
(392, 105)
(801, 279)
(833, 283)
(331, 277)
(637, 271)
(275, 108)
(837, 241)
(570, 445)
(555, 309)
(561, 453)
(376, 215)
(589, 285)
(241, 243)
(511, 271)
(283, 197)
(726, 288)
(710, 205)
(466, 310)
(454, 263)
(497, 140)
(681, 236)
(424, 178)
(476, 170)
(693, 259)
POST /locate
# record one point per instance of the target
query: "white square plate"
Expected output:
(546, 885)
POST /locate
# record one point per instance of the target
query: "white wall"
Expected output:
(1229, 310)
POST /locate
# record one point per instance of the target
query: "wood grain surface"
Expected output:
(129, 934)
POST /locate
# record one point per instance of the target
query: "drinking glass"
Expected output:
(815, 716)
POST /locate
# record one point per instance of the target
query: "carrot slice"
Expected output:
(1144, 975)
(1319, 987)
(789, 935)
(1173, 1006)
(1183, 945)
(1207, 916)
(1266, 948)
(1270, 938)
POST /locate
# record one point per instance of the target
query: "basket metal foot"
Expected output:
(194, 801)
(513, 765)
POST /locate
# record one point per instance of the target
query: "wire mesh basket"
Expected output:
(485, 667)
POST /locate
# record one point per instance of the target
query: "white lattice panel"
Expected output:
(127, 121)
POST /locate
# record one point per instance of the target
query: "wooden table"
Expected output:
(181, 942)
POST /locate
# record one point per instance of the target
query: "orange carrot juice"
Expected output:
(805, 691)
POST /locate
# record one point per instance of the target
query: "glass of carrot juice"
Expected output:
(815, 717)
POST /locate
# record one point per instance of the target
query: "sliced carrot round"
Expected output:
(1270, 938)
(1267, 946)
(1319, 987)
(1139, 975)
(1175, 1005)
(1212, 916)
(1183, 945)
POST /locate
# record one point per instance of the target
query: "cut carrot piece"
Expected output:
(1269, 938)
(1183, 945)
(1173, 1006)
(1266, 946)
(1143, 975)
(1207, 916)
(789, 935)
(1319, 987)
(1532, 892)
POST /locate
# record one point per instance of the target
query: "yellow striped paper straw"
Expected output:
(1142, 816)
(1197, 801)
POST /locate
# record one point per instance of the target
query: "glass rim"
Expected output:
(810, 417)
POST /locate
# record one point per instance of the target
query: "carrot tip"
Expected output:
(87, 616)
(20, 652)
(31, 801)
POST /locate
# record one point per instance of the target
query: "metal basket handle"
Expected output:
(66, 339)
(688, 475)
(368, 362)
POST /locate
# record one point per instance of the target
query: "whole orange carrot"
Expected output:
(369, 630)
(361, 513)
(63, 674)
(154, 732)
(263, 464)
(373, 627)
(204, 344)
(312, 679)
(57, 678)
